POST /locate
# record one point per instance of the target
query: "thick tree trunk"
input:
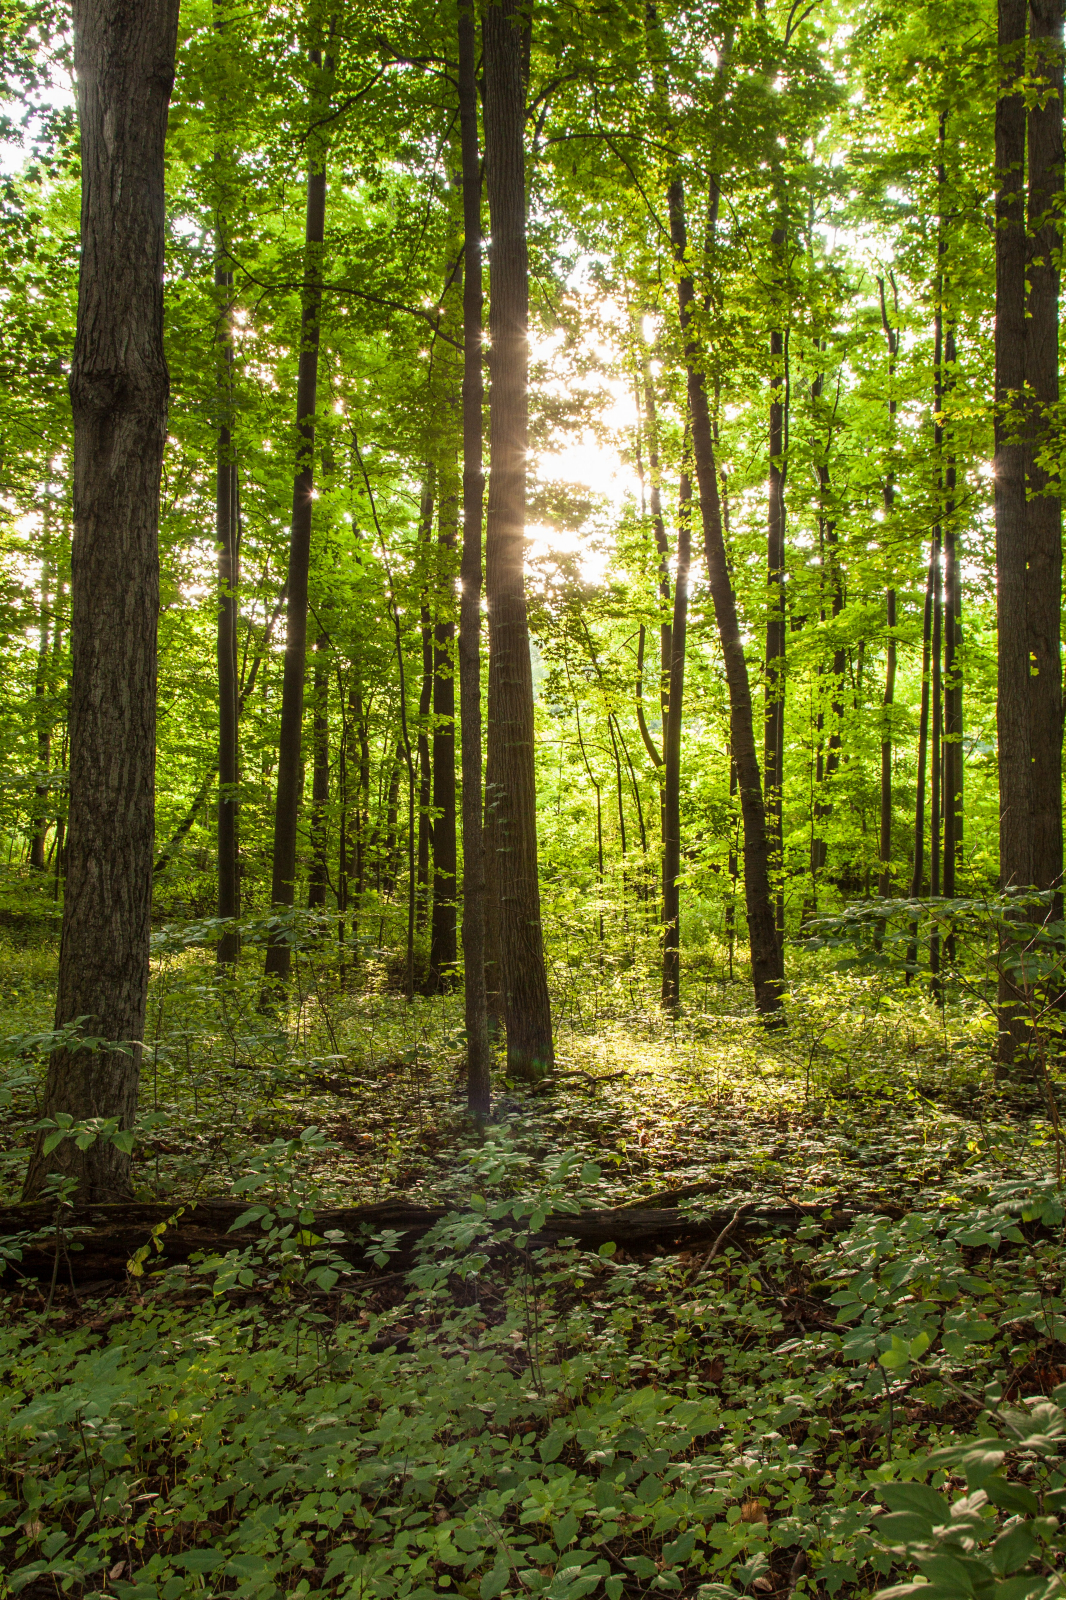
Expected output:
(290, 740)
(671, 980)
(226, 638)
(1012, 707)
(478, 1090)
(530, 1049)
(766, 962)
(124, 61)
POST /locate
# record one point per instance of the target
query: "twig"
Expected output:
(721, 1239)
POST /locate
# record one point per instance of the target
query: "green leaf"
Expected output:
(199, 1560)
(1012, 1550)
(1012, 1496)
(495, 1581)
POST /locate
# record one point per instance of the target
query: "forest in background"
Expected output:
(531, 945)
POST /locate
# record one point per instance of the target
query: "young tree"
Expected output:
(124, 54)
(287, 801)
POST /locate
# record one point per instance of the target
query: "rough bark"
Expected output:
(766, 961)
(124, 61)
(884, 882)
(290, 739)
(478, 1093)
(425, 706)
(512, 780)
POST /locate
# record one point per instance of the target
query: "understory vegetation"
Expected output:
(749, 1410)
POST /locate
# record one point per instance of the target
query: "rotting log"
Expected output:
(102, 1238)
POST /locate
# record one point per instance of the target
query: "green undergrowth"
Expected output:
(507, 1421)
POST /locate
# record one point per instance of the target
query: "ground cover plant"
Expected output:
(868, 1391)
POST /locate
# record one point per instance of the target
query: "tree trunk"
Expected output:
(124, 62)
(884, 882)
(1043, 508)
(478, 1089)
(443, 950)
(1012, 707)
(671, 981)
(766, 961)
(425, 706)
(530, 1049)
(290, 740)
(42, 716)
(918, 857)
(774, 733)
(226, 638)
(319, 874)
(953, 679)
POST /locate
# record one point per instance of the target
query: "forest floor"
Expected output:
(497, 1419)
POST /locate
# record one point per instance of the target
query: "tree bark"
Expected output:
(766, 959)
(425, 706)
(226, 639)
(318, 878)
(443, 946)
(671, 979)
(884, 882)
(1043, 508)
(774, 732)
(1012, 707)
(124, 61)
(290, 739)
(953, 678)
(512, 779)
(478, 1089)
(42, 716)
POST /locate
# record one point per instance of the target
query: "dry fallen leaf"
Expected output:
(752, 1511)
(117, 1570)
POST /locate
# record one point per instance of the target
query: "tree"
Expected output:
(511, 775)
(287, 801)
(119, 386)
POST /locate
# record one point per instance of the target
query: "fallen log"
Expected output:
(99, 1240)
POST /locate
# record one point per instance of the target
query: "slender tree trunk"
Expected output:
(671, 979)
(42, 715)
(443, 952)
(425, 706)
(343, 852)
(512, 780)
(1043, 508)
(478, 1088)
(124, 62)
(226, 638)
(918, 857)
(774, 732)
(953, 677)
(884, 884)
(290, 741)
(319, 875)
(766, 960)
